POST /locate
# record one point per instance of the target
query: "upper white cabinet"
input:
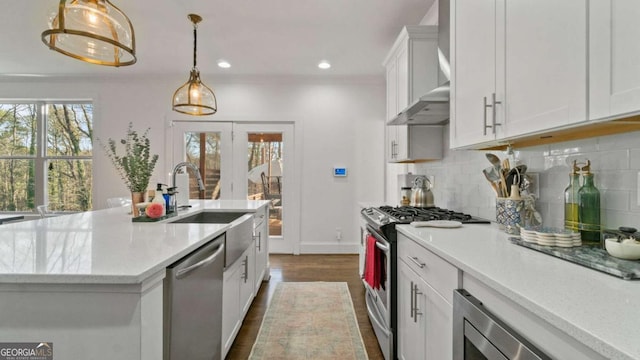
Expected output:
(414, 142)
(412, 71)
(518, 67)
(412, 67)
(614, 55)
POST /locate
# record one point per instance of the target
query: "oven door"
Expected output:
(382, 295)
(480, 335)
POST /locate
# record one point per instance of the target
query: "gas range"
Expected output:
(383, 215)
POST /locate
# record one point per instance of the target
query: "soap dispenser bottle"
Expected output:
(572, 201)
(158, 198)
(589, 209)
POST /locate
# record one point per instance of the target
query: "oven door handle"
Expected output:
(381, 243)
(374, 318)
(382, 247)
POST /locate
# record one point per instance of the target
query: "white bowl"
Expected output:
(628, 249)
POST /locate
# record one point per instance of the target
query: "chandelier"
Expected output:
(94, 31)
(194, 97)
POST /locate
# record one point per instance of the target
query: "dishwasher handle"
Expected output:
(183, 272)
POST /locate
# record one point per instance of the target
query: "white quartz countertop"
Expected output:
(104, 246)
(599, 310)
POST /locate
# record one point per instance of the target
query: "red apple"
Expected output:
(154, 210)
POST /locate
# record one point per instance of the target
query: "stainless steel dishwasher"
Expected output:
(193, 304)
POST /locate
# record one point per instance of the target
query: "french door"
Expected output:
(244, 161)
(263, 169)
(207, 145)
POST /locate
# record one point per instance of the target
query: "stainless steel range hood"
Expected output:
(433, 107)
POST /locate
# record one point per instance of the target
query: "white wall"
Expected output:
(338, 122)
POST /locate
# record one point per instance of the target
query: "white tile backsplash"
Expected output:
(615, 161)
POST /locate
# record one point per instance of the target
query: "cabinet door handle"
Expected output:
(259, 241)
(494, 103)
(411, 297)
(246, 269)
(415, 302)
(485, 106)
(416, 261)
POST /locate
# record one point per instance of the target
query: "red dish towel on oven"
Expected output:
(371, 263)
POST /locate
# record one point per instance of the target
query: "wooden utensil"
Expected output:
(494, 180)
(497, 165)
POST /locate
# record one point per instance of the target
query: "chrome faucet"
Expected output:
(192, 167)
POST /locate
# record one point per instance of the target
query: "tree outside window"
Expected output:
(46, 151)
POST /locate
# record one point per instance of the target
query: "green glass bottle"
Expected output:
(572, 201)
(589, 209)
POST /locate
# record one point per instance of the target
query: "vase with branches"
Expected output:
(135, 166)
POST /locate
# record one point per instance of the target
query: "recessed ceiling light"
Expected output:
(224, 64)
(324, 65)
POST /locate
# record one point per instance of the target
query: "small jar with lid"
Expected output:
(405, 196)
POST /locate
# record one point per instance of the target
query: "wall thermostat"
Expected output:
(339, 171)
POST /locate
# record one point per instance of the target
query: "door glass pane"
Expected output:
(203, 150)
(265, 174)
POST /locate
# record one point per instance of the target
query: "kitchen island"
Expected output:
(567, 310)
(92, 283)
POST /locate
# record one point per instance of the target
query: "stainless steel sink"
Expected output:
(239, 236)
(210, 218)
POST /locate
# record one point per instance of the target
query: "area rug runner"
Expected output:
(309, 320)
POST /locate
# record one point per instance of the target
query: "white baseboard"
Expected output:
(328, 248)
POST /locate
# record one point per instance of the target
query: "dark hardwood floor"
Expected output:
(290, 268)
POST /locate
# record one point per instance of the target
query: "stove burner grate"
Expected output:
(407, 214)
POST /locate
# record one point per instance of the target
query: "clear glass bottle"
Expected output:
(589, 209)
(572, 201)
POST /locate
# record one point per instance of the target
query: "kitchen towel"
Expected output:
(182, 183)
(372, 264)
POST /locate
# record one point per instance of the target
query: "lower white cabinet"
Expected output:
(238, 293)
(425, 311)
(412, 329)
(424, 319)
(260, 238)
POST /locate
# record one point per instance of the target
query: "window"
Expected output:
(46, 153)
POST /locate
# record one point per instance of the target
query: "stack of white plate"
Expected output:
(551, 237)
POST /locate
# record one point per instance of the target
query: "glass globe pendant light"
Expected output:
(94, 31)
(194, 97)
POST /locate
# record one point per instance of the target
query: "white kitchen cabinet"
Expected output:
(412, 331)
(238, 293)
(614, 58)
(412, 71)
(425, 312)
(261, 242)
(247, 280)
(415, 142)
(231, 307)
(518, 68)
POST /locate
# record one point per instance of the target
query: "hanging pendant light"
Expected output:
(194, 97)
(94, 31)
